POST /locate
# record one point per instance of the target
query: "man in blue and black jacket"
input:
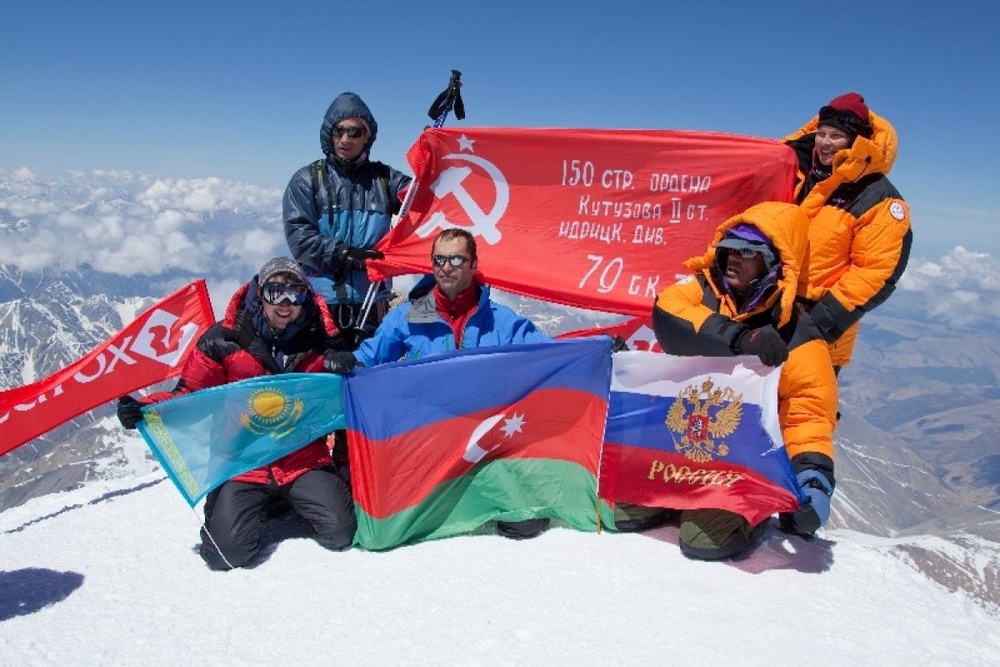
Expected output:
(337, 209)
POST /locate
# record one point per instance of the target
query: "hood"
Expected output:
(882, 147)
(347, 105)
(786, 226)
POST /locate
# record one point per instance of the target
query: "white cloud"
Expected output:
(128, 223)
(962, 288)
(960, 268)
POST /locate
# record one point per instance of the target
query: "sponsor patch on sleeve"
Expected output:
(897, 211)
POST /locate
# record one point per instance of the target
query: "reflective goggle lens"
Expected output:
(278, 293)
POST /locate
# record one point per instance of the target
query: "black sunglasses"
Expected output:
(454, 260)
(352, 131)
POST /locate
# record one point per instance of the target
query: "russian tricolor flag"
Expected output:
(696, 432)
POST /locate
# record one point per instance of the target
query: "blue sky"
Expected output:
(238, 90)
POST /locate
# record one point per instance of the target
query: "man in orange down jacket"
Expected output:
(742, 301)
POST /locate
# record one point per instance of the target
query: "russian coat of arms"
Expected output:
(703, 418)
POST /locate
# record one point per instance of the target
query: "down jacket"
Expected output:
(700, 318)
(240, 347)
(414, 329)
(353, 205)
(859, 232)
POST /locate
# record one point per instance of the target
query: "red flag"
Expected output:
(637, 332)
(150, 349)
(599, 219)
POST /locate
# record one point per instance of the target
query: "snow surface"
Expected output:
(108, 575)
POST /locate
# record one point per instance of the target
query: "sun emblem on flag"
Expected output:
(271, 411)
(702, 417)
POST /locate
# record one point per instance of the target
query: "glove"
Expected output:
(349, 257)
(129, 412)
(764, 343)
(618, 344)
(339, 362)
(815, 511)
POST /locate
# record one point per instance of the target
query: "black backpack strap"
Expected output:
(321, 178)
(383, 172)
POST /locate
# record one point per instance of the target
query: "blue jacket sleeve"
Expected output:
(388, 342)
(301, 214)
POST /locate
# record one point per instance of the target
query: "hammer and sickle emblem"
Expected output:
(450, 182)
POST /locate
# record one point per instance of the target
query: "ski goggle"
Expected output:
(351, 131)
(746, 252)
(454, 260)
(747, 249)
(279, 293)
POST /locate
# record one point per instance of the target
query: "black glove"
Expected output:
(618, 344)
(349, 257)
(339, 362)
(764, 343)
(815, 511)
(129, 412)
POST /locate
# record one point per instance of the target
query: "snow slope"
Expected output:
(108, 575)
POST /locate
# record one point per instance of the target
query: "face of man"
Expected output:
(279, 315)
(453, 280)
(741, 271)
(349, 138)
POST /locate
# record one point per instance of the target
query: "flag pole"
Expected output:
(449, 100)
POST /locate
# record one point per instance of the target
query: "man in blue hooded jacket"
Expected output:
(337, 209)
(447, 311)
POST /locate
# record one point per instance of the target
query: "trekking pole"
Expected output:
(450, 99)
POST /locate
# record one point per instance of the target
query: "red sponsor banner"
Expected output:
(598, 219)
(150, 349)
(637, 332)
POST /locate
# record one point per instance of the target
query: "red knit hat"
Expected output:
(848, 113)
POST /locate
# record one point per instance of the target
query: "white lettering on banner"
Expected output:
(683, 183)
(578, 172)
(635, 287)
(679, 212)
(575, 229)
(608, 277)
(616, 179)
(581, 172)
(614, 209)
(160, 339)
(103, 367)
(649, 235)
(450, 182)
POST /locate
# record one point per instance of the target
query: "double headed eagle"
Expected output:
(702, 417)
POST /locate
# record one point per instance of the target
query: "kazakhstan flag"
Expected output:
(204, 438)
